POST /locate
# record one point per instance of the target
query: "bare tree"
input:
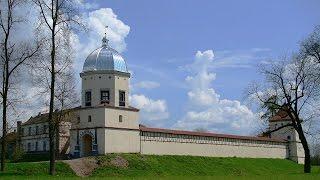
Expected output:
(310, 47)
(293, 87)
(66, 98)
(13, 55)
(58, 17)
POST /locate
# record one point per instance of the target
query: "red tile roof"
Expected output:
(207, 134)
(105, 105)
(281, 115)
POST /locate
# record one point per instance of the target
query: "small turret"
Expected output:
(295, 149)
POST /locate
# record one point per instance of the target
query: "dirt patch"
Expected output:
(82, 166)
(119, 161)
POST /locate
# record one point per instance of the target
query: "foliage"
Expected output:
(17, 154)
(315, 160)
(34, 157)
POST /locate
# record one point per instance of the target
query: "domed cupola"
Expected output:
(105, 58)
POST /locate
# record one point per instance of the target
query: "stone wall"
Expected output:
(209, 146)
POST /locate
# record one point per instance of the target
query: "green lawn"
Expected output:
(35, 170)
(170, 167)
(190, 166)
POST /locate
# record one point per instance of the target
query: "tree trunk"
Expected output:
(4, 116)
(4, 133)
(51, 120)
(57, 141)
(5, 88)
(304, 142)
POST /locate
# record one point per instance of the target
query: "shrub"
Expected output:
(18, 154)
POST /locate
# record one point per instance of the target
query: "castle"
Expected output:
(106, 123)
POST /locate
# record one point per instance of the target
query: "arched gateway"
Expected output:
(87, 145)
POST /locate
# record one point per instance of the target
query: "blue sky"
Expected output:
(160, 41)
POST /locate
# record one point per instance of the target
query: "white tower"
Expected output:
(106, 123)
(295, 149)
(105, 78)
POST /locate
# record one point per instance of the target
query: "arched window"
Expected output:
(120, 118)
(87, 98)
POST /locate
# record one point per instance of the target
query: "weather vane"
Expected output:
(104, 39)
(105, 31)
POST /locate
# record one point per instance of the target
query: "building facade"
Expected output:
(33, 135)
(106, 123)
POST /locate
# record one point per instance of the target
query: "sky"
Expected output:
(191, 61)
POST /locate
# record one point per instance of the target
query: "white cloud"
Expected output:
(207, 109)
(86, 5)
(147, 85)
(96, 21)
(150, 110)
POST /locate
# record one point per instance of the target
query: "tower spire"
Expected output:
(104, 39)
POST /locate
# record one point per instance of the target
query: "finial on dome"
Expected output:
(104, 39)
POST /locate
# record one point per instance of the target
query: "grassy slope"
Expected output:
(35, 170)
(164, 166)
(150, 167)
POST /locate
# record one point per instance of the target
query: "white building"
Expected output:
(106, 123)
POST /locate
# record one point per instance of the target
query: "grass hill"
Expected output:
(152, 166)
(165, 166)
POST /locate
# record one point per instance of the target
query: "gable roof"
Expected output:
(42, 118)
(208, 134)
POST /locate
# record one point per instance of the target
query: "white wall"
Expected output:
(105, 80)
(122, 141)
(214, 150)
(296, 151)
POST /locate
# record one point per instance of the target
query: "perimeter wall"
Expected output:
(168, 144)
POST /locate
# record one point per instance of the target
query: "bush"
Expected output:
(18, 154)
(34, 157)
(315, 160)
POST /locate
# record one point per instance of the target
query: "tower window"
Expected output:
(105, 96)
(89, 118)
(288, 137)
(88, 98)
(122, 98)
(120, 118)
(78, 119)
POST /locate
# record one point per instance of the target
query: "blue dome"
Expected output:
(105, 58)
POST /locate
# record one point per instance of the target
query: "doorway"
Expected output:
(87, 145)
